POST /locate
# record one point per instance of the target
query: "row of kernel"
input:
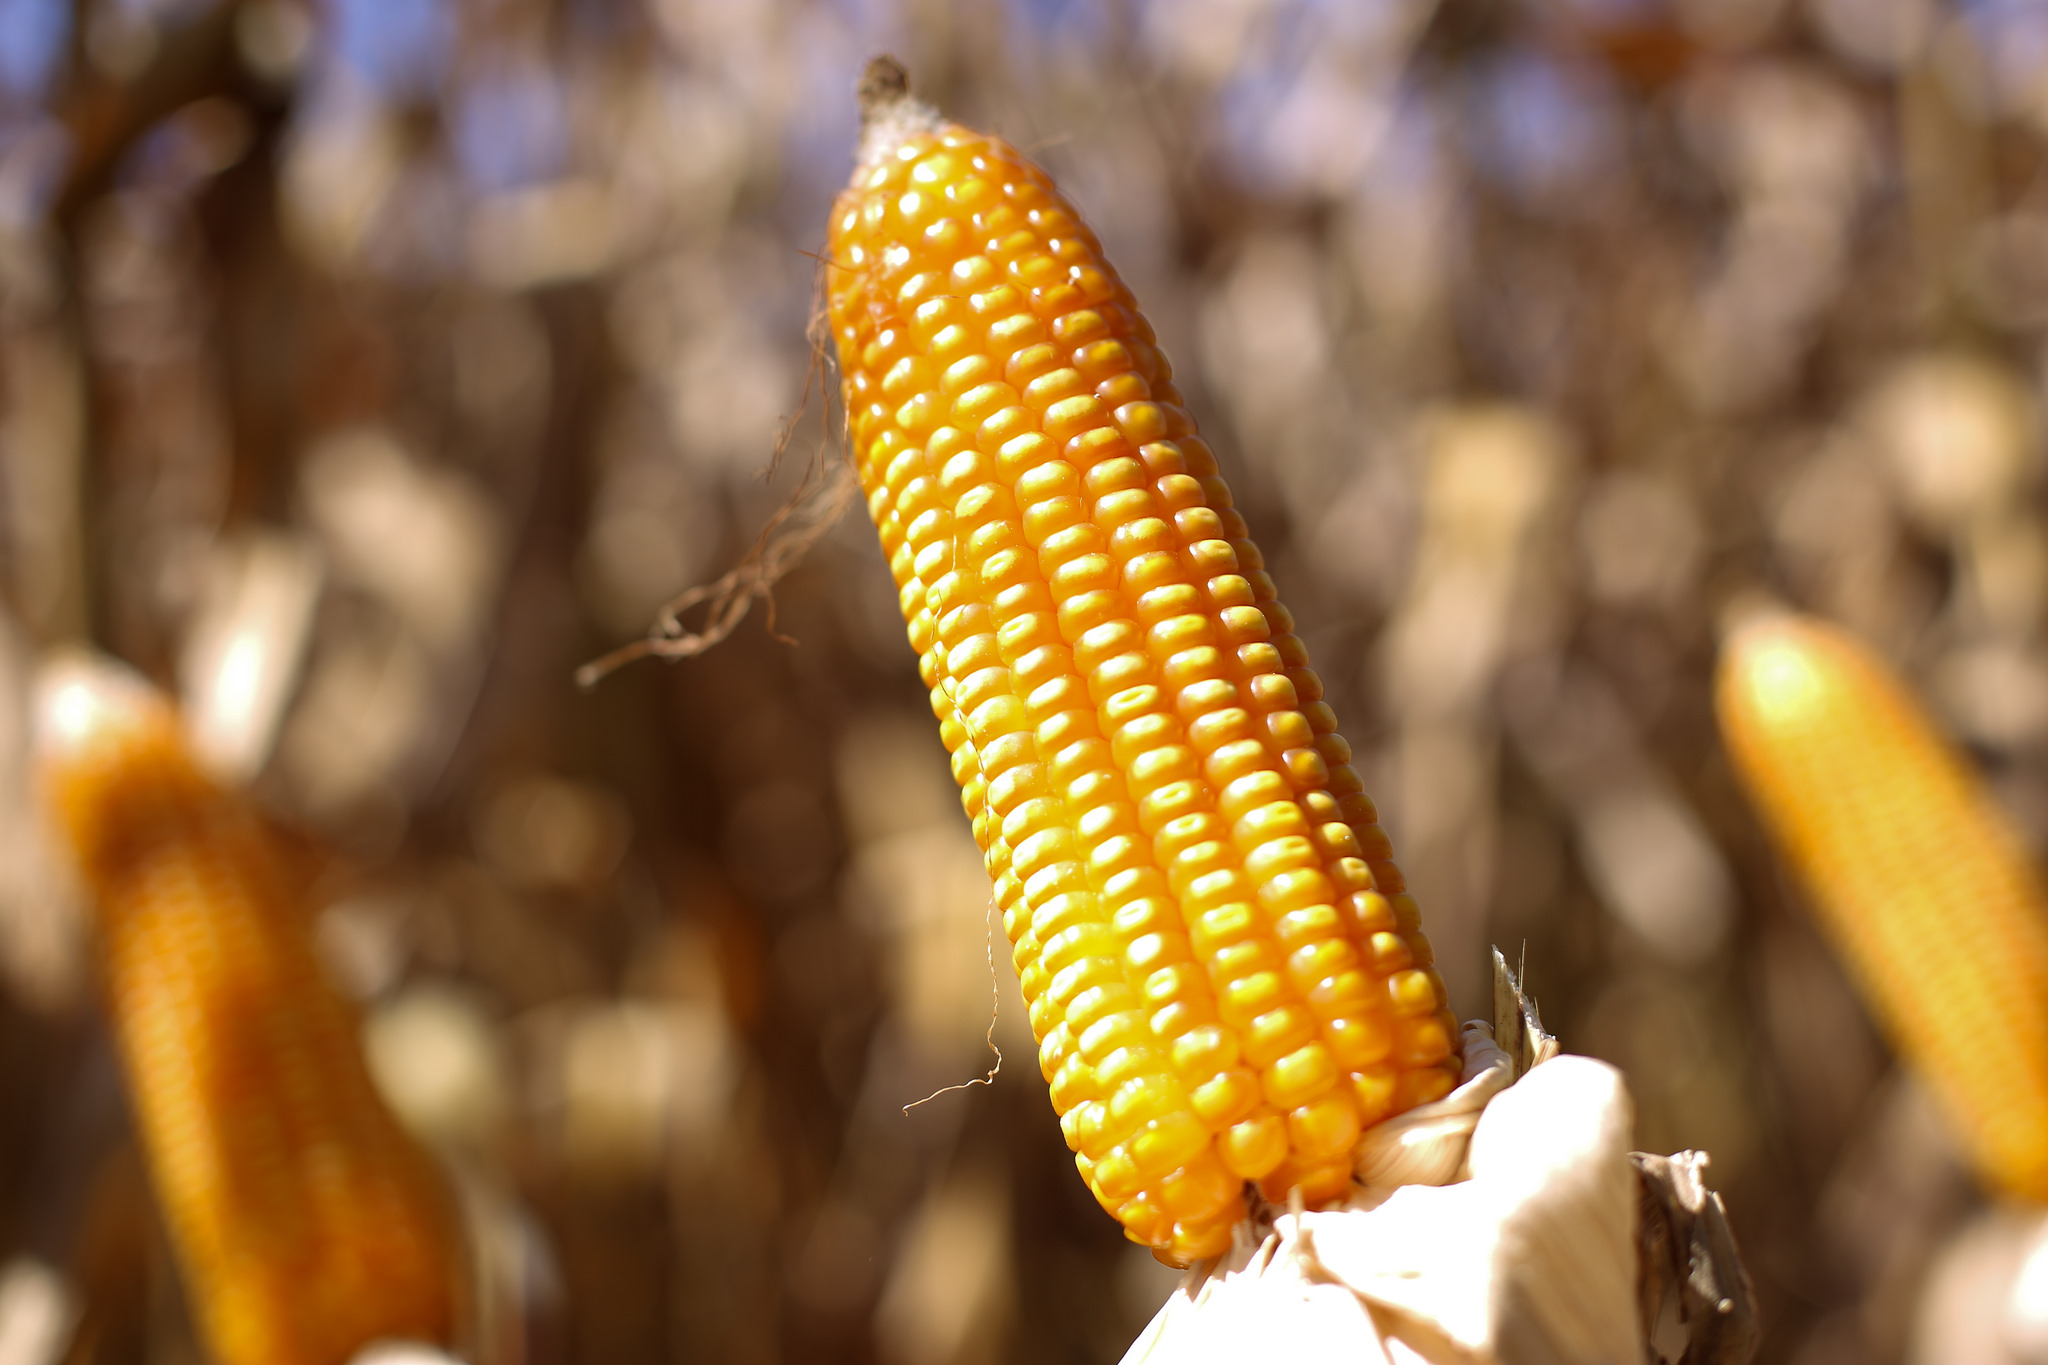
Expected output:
(1166, 1196)
(1007, 572)
(909, 491)
(1205, 453)
(1001, 322)
(1171, 1151)
(1124, 1112)
(930, 538)
(1118, 861)
(1002, 245)
(1343, 782)
(1140, 718)
(1209, 703)
(1301, 730)
(1033, 810)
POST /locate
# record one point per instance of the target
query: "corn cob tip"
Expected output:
(890, 115)
(1925, 890)
(883, 81)
(82, 698)
(1745, 610)
(97, 726)
(1778, 668)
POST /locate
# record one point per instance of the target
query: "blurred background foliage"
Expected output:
(366, 365)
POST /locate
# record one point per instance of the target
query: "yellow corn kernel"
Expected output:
(1193, 881)
(307, 1223)
(1919, 881)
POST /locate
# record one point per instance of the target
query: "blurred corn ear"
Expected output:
(1919, 881)
(306, 1222)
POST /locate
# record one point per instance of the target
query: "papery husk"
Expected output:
(1507, 1223)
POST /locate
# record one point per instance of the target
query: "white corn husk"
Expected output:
(403, 1353)
(1984, 1300)
(1497, 1226)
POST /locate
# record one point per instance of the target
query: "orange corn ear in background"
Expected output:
(1918, 879)
(306, 1222)
(1224, 973)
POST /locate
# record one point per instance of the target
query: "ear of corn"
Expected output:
(1225, 974)
(307, 1223)
(1918, 880)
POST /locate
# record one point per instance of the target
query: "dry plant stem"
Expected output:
(307, 1223)
(1225, 974)
(1919, 881)
(1686, 1249)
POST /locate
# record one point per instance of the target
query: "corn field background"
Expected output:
(366, 366)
